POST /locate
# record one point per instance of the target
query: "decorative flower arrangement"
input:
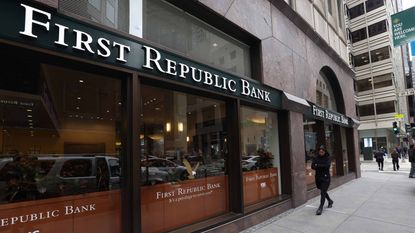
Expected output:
(266, 158)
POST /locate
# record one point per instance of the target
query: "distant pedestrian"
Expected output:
(395, 160)
(321, 163)
(411, 155)
(379, 159)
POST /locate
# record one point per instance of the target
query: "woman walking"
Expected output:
(321, 164)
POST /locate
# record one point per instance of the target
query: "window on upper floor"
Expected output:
(366, 110)
(359, 35)
(373, 4)
(377, 28)
(380, 54)
(385, 107)
(356, 11)
(172, 27)
(379, 82)
(361, 59)
(381, 108)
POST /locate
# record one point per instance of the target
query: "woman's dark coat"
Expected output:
(322, 166)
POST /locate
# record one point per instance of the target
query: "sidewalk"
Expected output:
(379, 202)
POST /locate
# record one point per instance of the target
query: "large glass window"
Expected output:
(373, 4)
(361, 59)
(60, 141)
(174, 28)
(260, 155)
(379, 82)
(111, 13)
(184, 151)
(359, 35)
(385, 107)
(310, 143)
(377, 28)
(366, 110)
(380, 54)
(356, 11)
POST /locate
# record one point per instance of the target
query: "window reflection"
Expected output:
(182, 134)
(183, 154)
(260, 155)
(60, 144)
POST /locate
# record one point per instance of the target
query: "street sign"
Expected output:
(407, 92)
(399, 116)
(403, 27)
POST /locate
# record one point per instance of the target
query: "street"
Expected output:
(381, 202)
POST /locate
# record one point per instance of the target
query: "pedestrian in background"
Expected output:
(321, 163)
(379, 156)
(411, 157)
(395, 159)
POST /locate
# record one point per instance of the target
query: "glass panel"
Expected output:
(59, 130)
(364, 85)
(184, 149)
(383, 81)
(111, 13)
(260, 155)
(361, 59)
(373, 4)
(310, 143)
(385, 107)
(356, 11)
(380, 54)
(366, 110)
(329, 133)
(359, 35)
(173, 28)
(377, 28)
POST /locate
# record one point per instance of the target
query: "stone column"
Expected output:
(292, 146)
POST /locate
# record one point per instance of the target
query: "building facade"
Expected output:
(379, 73)
(168, 116)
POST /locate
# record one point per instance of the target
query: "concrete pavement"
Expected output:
(379, 202)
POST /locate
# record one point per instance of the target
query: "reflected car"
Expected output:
(156, 171)
(250, 163)
(77, 174)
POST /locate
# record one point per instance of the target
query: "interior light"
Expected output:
(214, 44)
(78, 97)
(30, 120)
(187, 139)
(29, 116)
(81, 81)
(118, 143)
(180, 126)
(29, 110)
(168, 127)
(157, 109)
(108, 110)
(77, 108)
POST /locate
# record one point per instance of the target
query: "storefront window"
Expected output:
(329, 139)
(184, 151)
(310, 143)
(174, 28)
(260, 155)
(60, 149)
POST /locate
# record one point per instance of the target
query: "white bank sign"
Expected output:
(60, 33)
